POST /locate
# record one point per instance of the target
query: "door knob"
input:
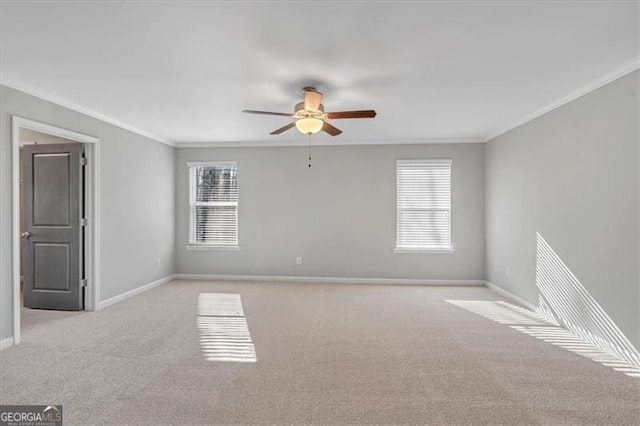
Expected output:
(25, 235)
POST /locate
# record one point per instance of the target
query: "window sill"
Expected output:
(443, 250)
(203, 247)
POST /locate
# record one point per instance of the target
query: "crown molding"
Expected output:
(227, 144)
(619, 73)
(325, 142)
(81, 109)
(629, 68)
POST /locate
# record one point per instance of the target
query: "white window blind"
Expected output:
(424, 204)
(213, 201)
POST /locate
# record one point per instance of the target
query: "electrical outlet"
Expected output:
(299, 260)
(157, 262)
(495, 266)
(507, 271)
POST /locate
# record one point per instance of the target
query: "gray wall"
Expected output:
(572, 176)
(137, 199)
(339, 215)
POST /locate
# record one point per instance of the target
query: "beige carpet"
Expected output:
(326, 354)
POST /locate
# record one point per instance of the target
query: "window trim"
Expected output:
(195, 246)
(443, 250)
(205, 247)
(450, 249)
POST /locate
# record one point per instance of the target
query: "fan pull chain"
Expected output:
(309, 138)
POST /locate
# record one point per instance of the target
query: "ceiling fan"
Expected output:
(310, 117)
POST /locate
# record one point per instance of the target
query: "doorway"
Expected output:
(75, 284)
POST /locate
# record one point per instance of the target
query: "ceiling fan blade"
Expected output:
(365, 113)
(312, 99)
(284, 129)
(284, 114)
(333, 131)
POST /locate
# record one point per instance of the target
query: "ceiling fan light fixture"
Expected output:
(309, 126)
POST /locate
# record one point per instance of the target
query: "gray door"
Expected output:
(53, 247)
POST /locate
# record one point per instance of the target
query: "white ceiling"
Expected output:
(183, 71)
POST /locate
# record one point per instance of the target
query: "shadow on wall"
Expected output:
(564, 300)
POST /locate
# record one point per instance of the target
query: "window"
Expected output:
(423, 206)
(213, 203)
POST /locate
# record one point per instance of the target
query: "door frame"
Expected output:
(92, 210)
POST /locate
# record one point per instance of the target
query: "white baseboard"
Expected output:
(131, 293)
(511, 296)
(272, 278)
(6, 343)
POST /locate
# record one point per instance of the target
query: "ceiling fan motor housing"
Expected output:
(301, 112)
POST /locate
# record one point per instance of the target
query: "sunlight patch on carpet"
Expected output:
(533, 324)
(223, 329)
